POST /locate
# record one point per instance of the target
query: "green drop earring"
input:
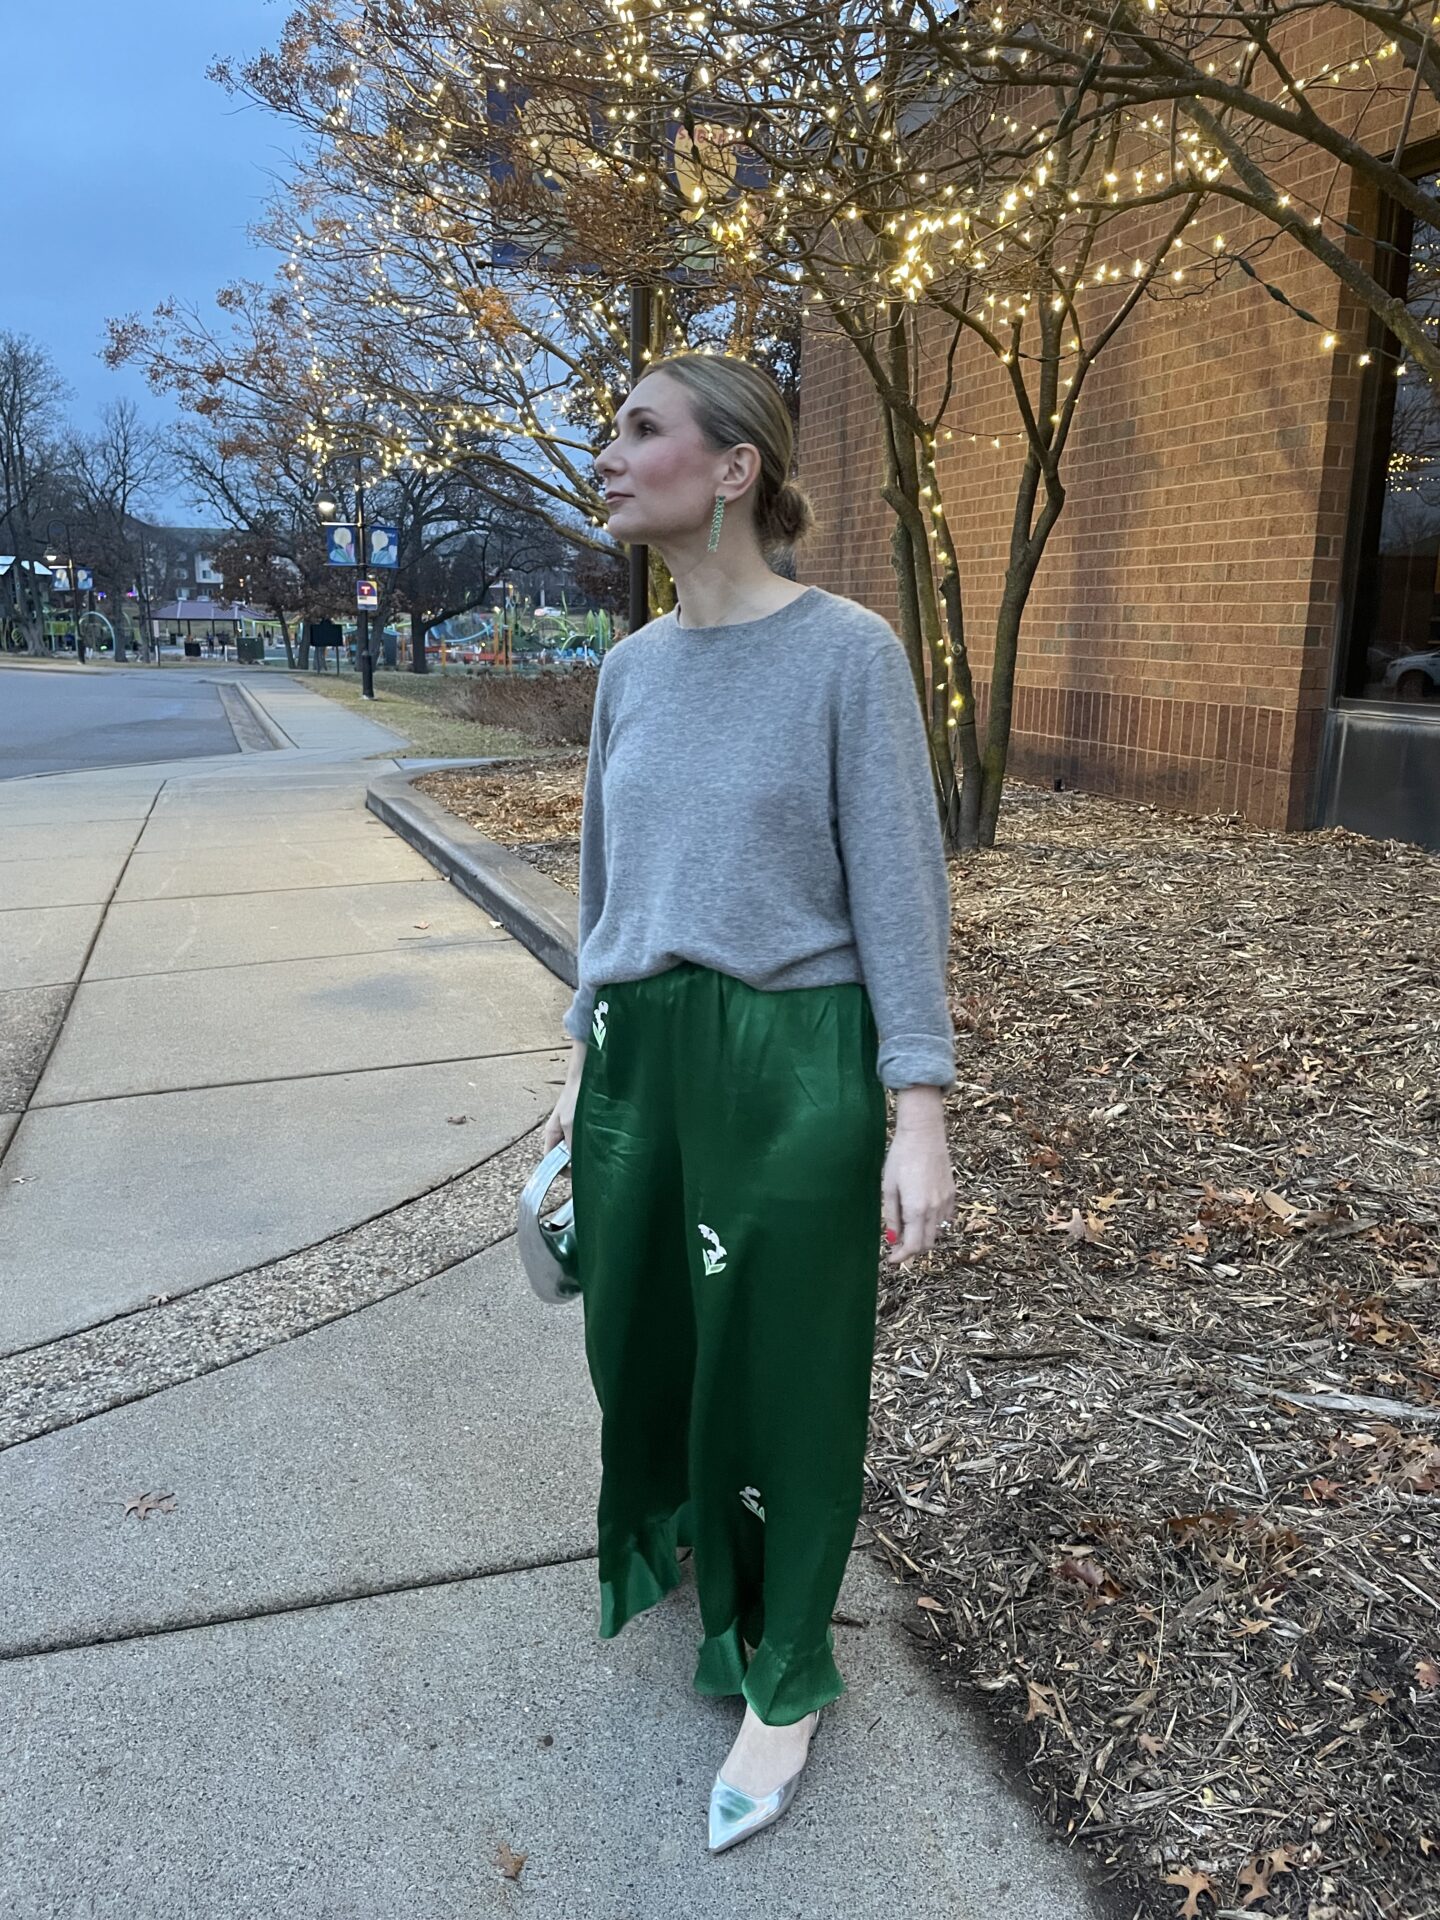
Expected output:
(715, 523)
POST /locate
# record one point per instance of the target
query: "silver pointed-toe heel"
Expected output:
(734, 1816)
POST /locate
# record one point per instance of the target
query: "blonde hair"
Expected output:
(734, 402)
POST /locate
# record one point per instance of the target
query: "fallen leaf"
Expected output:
(1254, 1880)
(144, 1504)
(1195, 1883)
(1085, 1571)
(456, 1119)
(1078, 1228)
(1041, 1702)
(421, 924)
(1427, 1674)
(509, 1863)
(932, 1606)
(1422, 1475)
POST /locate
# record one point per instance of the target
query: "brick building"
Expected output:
(1238, 608)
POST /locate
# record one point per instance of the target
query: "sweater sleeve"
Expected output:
(893, 854)
(576, 1020)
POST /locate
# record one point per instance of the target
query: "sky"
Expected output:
(128, 176)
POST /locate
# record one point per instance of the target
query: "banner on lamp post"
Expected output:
(342, 545)
(384, 545)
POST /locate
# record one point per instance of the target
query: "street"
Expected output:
(64, 720)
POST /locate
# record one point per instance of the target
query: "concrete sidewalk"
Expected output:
(272, 1086)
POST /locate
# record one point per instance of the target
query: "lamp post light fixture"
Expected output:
(328, 509)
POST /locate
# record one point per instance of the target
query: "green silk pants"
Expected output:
(726, 1157)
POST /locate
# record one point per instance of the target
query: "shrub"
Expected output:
(551, 705)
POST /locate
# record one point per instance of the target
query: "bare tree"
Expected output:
(31, 397)
(1294, 115)
(113, 474)
(246, 464)
(756, 156)
(288, 385)
(405, 262)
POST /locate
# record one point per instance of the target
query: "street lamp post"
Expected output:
(362, 614)
(74, 578)
(641, 320)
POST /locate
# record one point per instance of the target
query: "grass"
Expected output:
(414, 705)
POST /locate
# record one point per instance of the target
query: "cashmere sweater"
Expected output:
(758, 800)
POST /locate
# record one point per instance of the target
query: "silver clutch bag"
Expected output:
(547, 1246)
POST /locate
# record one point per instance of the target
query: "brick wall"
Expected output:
(1179, 642)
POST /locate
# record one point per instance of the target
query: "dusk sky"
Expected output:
(128, 175)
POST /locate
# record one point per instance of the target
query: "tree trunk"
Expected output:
(1028, 539)
(662, 587)
(117, 643)
(285, 636)
(927, 636)
(304, 662)
(149, 652)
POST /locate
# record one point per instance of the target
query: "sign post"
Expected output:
(346, 546)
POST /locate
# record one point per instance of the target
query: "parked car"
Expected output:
(1414, 676)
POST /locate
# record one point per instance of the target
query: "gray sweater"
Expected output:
(758, 800)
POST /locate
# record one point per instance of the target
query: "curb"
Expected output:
(254, 731)
(541, 915)
(51, 666)
(272, 730)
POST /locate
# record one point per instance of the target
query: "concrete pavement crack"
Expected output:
(447, 943)
(140, 1353)
(39, 1649)
(74, 985)
(278, 1079)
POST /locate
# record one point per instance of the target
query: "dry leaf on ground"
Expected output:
(510, 1864)
(1193, 1883)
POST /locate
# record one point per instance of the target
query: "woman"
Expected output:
(764, 920)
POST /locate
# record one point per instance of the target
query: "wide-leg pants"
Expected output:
(727, 1150)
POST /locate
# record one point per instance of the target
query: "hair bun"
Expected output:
(790, 517)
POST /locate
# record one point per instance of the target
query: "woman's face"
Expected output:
(660, 478)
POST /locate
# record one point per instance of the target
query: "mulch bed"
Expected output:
(530, 805)
(1156, 1431)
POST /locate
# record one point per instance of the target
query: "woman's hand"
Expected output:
(561, 1123)
(562, 1120)
(917, 1186)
